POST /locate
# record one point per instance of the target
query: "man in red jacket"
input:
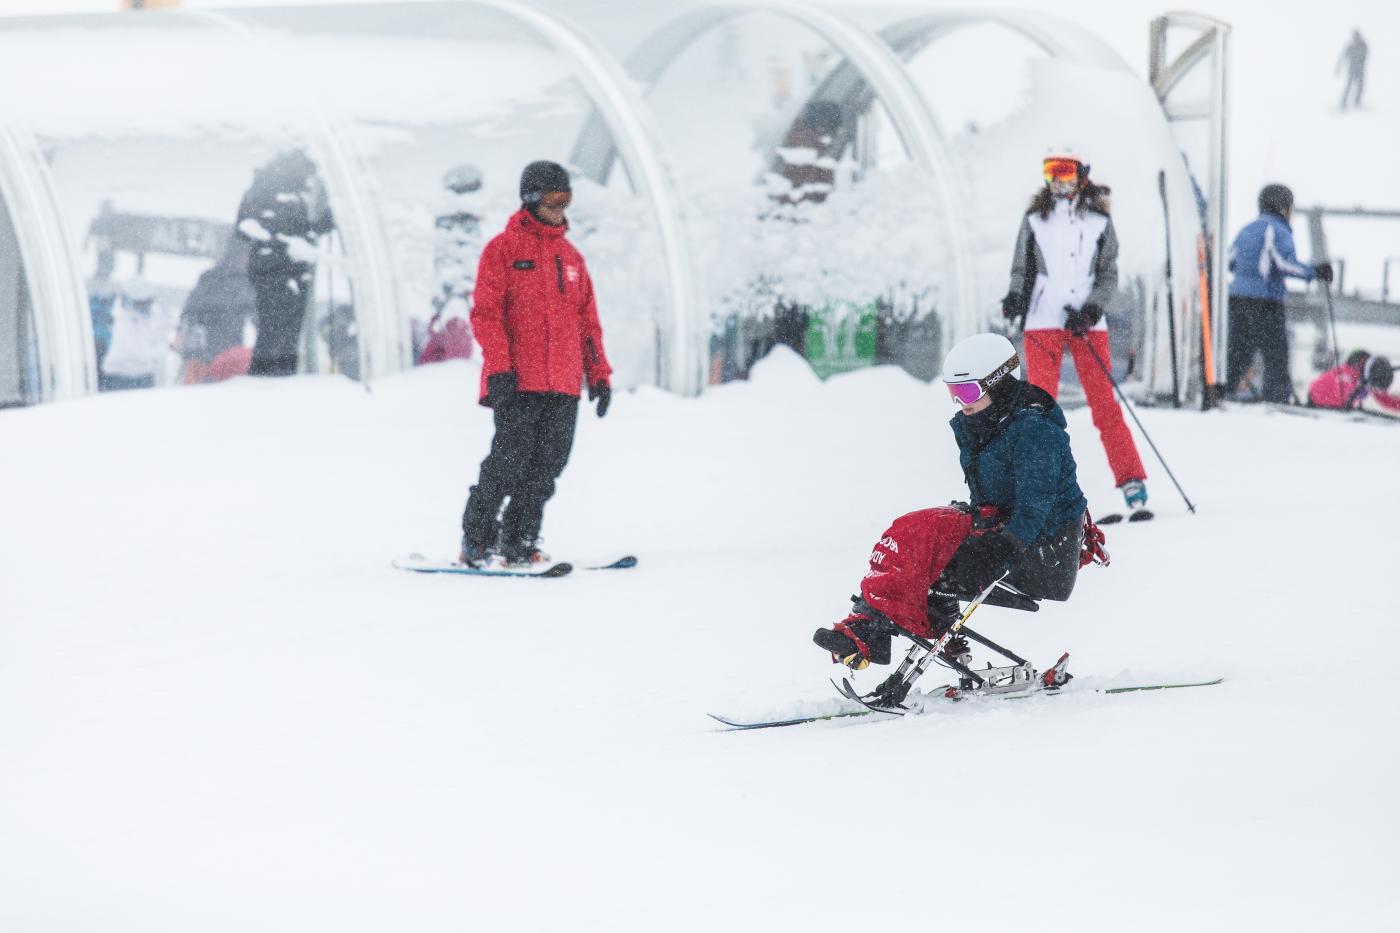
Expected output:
(535, 317)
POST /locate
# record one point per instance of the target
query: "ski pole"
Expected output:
(1147, 437)
(1171, 301)
(903, 679)
(1332, 320)
(1119, 389)
(933, 648)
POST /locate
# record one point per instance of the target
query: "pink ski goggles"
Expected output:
(967, 393)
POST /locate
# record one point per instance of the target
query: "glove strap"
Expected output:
(864, 649)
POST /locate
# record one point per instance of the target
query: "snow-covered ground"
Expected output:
(222, 710)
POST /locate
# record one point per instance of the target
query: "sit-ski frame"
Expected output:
(1018, 677)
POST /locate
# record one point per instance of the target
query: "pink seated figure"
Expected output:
(1361, 377)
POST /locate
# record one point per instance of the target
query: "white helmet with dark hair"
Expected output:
(982, 358)
(975, 366)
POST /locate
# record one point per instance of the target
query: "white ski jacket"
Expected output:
(140, 340)
(1069, 258)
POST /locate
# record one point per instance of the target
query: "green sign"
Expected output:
(841, 337)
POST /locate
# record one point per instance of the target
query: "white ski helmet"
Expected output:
(982, 358)
(461, 179)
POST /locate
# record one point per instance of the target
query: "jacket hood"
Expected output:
(1093, 198)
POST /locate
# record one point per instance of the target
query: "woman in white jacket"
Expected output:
(141, 330)
(1063, 274)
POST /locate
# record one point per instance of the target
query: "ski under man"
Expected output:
(1027, 515)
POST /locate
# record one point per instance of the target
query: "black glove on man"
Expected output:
(983, 558)
(1079, 321)
(1013, 306)
(1324, 271)
(601, 391)
(500, 389)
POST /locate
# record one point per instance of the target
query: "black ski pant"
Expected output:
(281, 300)
(1259, 324)
(1048, 569)
(534, 436)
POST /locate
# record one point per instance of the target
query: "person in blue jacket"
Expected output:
(1261, 257)
(1026, 517)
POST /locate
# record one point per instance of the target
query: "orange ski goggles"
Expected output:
(1061, 170)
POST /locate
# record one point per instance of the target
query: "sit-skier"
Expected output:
(1026, 518)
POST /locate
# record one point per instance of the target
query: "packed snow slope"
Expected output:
(222, 710)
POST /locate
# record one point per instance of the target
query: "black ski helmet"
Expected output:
(1379, 373)
(540, 177)
(1358, 359)
(1275, 199)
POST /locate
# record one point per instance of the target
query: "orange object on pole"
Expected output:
(1207, 344)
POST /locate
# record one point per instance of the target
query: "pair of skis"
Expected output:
(417, 563)
(738, 725)
(1016, 680)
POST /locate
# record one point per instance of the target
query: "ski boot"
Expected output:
(473, 555)
(525, 554)
(1135, 497)
(857, 641)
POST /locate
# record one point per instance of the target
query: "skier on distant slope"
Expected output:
(1064, 272)
(1027, 515)
(534, 314)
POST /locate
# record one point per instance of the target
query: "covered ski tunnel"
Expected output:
(746, 175)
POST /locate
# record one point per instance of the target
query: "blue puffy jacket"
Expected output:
(1261, 256)
(1023, 465)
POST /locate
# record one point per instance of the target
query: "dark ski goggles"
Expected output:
(556, 200)
(968, 393)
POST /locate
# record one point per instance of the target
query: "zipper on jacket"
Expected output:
(559, 272)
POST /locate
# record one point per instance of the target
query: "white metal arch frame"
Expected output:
(1060, 38)
(918, 131)
(626, 121)
(67, 359)
(382, 346)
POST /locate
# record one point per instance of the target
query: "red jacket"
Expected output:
(533, 311)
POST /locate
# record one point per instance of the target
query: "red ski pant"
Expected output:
(1044, 351)
(906, 560)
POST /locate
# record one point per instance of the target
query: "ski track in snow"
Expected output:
(222, 709)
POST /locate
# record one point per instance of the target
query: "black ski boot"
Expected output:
(858, 640)
(524, 554)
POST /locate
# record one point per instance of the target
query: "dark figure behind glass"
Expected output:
(283, 215)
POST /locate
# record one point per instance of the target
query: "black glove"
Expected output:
(1013, 306)
(1079, 321)
(1324, 271)
(500, 389)
(983, 558)
(603, 393)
